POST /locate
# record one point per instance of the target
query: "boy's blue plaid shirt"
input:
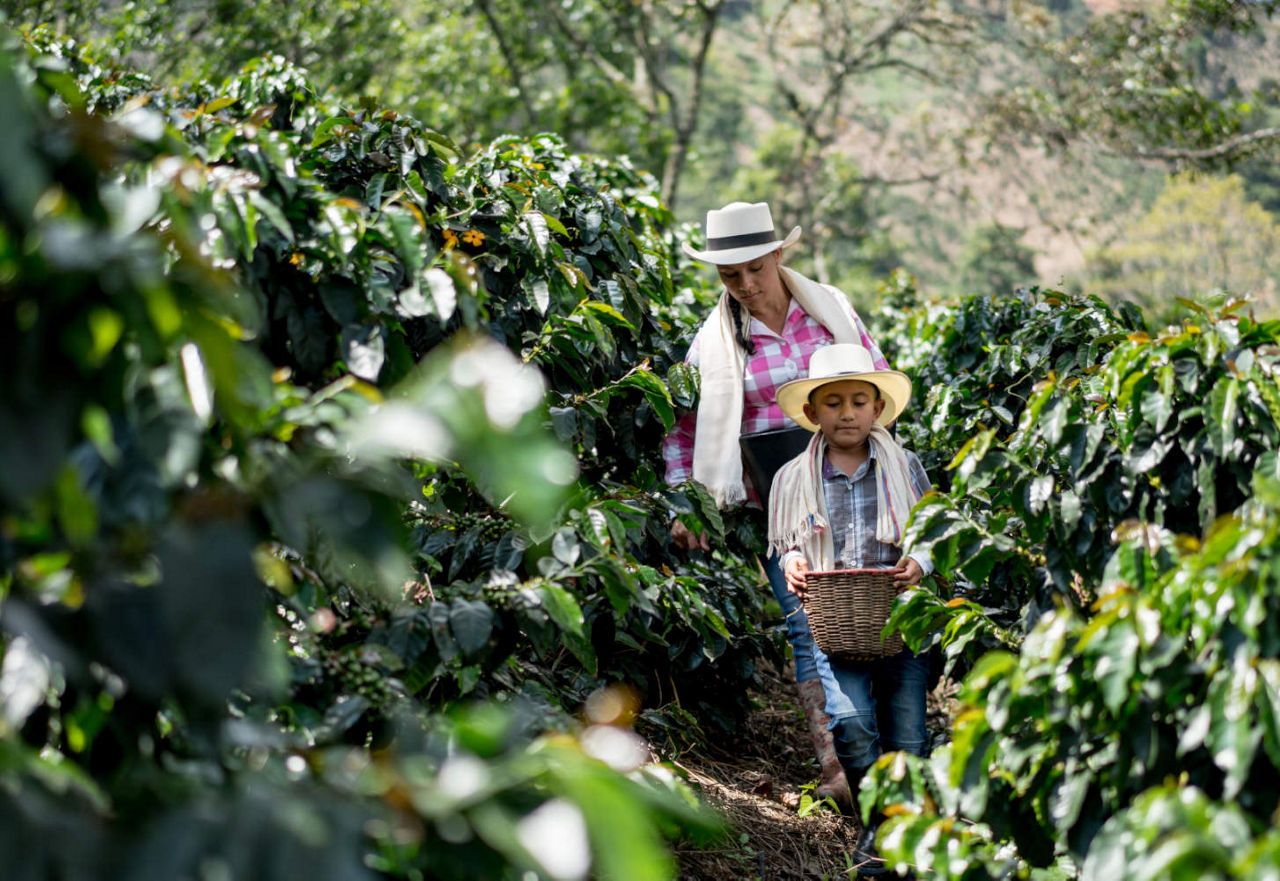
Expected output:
(851, 510)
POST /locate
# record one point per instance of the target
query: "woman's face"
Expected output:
(756, 284)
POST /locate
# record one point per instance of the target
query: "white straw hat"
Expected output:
(739, 232)
(838, 362)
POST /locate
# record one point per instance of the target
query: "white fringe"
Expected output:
(798, 517)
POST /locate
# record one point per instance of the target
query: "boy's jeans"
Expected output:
(876, 706)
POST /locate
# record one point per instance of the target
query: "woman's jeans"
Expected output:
(803, 648)
(875, 706)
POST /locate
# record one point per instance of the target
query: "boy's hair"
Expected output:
(834, 380)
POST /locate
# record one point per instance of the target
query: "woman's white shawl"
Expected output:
(717, 460)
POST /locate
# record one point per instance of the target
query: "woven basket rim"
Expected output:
(850, 571)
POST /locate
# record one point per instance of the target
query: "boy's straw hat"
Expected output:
(739, 232)
(836, 363)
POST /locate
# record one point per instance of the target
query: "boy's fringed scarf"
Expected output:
(717, 460)
(798, 506)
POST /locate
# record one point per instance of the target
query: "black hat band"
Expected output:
(724, 243)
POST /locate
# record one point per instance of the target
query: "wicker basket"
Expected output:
(847, 609)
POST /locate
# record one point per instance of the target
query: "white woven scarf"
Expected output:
(717, 459)
(798, 506)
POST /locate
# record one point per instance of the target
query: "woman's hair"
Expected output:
(741, 327)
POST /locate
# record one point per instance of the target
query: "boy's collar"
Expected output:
(829, 470)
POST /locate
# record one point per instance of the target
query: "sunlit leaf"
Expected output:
(443, 292)
(541, 295)
(536, 224)
(562, 607)
(364, 349)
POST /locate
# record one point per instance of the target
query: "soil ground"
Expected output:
(758, 789)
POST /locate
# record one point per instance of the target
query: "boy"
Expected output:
(842, 504)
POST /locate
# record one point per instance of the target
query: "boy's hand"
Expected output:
(686, 538)
(796, 568)
(907, 574)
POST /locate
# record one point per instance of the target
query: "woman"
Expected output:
(768, 322)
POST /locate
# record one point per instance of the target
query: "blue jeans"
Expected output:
(803, 649)
(881, 709)
(874, 706)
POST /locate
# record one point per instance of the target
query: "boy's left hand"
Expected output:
(907, 574)
(796, 568)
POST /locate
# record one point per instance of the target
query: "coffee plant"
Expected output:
(1137, 739)
(1108, 536)
(1080, 421)
(269, 370)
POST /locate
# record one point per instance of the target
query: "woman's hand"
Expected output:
(685, 538)
(907, 574)
(796, 568)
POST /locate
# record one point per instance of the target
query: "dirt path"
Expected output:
(758, 789)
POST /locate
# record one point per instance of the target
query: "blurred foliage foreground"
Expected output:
(334, 544)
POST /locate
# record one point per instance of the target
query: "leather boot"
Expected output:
(832, 783)
(866, 855)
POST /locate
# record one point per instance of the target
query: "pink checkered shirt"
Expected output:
(778, 359)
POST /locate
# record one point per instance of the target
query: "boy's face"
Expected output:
(845, 411)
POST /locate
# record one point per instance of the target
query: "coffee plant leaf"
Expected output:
(471, 622)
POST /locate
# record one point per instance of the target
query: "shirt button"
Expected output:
(792, 370)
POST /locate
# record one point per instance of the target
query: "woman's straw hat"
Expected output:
(739, 232)
(836, 363)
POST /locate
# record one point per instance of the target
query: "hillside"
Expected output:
(942, 118)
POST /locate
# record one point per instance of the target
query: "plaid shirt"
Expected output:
(778, 358)
(851, 512)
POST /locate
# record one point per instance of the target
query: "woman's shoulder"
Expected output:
(711, 320)
(831, 292)
(710, 325)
